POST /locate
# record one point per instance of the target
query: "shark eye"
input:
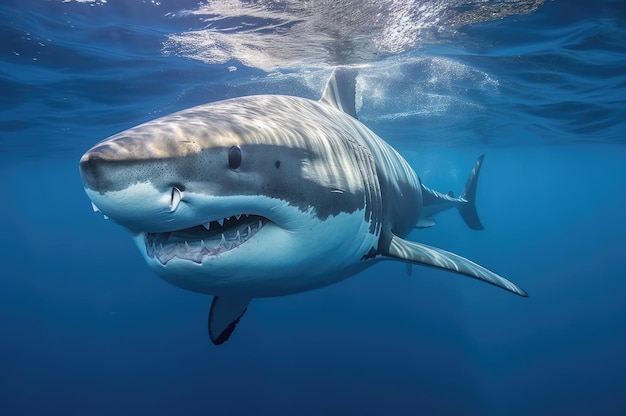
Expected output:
(234, 157)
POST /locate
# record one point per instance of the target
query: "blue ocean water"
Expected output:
(538, 87)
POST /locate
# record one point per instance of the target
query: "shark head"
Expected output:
(228, 197)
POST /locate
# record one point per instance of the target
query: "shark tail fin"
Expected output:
(340, 90)
(468, 209)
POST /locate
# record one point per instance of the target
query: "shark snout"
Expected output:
(119, 187)
(90, 168)
(111, 166)
(93, 172)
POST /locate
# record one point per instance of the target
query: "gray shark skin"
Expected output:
(269, 195)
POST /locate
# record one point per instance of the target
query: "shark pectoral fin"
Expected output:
(225, 313)
(435, 257)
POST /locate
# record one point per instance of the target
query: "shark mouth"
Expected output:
(207, 240)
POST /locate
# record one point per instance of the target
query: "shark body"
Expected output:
(269, 195)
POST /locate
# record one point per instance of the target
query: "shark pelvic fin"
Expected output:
(340, 90)
(425, 223)
(409, 269)
(225, 313)
(417, 253)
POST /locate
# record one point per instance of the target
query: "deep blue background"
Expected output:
(86, 328)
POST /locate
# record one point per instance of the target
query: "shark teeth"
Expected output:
(96, 209)
(196, 243)
(225, 221)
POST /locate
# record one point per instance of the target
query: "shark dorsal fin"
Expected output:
(340, 90)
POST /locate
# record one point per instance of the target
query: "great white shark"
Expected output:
(270, 195)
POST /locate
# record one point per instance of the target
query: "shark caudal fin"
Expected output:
(468, 209)
(417, 253)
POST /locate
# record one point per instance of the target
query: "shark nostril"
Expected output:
(175, 199)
